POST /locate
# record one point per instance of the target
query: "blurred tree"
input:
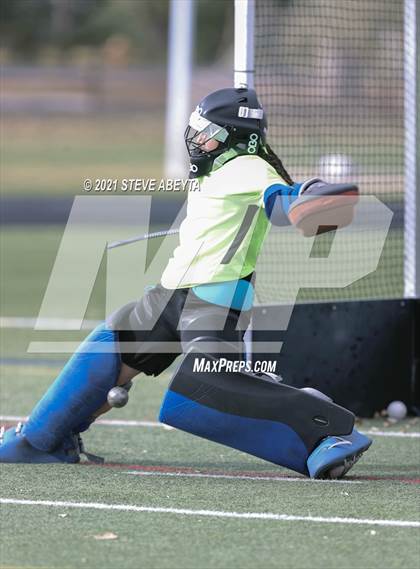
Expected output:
(29, 26)
(215, 29)
(24, 25)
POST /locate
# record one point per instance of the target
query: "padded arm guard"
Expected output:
(314, 206)
(277, 201)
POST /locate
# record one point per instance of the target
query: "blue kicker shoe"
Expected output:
(334, 456)
(15, 448)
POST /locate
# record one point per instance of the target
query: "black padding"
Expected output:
(173, 318)
(248, 395)
(147, 326)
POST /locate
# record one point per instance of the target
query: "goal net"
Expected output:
(330, 75)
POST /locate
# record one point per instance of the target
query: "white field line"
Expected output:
(238, 477)
(155, 424)
(46, 323)
(211, 513)
(400, 434)
(109, 422)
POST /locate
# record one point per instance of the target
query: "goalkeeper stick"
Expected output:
(143, 237)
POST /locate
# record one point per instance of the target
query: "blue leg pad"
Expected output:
(80, 390)
(269, 440)
(258, 416)
(335, 452)
(14, 447)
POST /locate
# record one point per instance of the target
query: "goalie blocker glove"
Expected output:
(313, 206)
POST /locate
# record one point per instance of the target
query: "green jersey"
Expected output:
(225, 225)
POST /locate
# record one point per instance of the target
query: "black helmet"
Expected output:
(232, 117)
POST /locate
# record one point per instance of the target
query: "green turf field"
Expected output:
(152, 467)
(165, 499)
(70, 149)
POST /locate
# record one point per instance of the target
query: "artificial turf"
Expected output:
(140, 465)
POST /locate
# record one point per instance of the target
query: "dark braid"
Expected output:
(268, 154)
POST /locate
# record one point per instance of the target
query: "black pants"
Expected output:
(177, 318)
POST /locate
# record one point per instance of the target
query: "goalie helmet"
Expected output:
(232, 117)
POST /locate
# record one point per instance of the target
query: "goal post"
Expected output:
(244, 43)
(411, 153)
(180, 61)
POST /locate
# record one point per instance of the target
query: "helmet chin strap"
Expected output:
(203, 164)
(200, 165)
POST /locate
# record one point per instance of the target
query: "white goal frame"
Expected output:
(411, 162)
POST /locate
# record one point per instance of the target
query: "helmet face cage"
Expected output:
(200, 131)
(225, 119)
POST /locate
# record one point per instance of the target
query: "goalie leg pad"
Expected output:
(253, 436)
(269, 420)
(79, 391)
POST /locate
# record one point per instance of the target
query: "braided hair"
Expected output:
(268, 154)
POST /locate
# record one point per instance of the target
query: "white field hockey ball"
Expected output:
(117, 397)
(396, 410)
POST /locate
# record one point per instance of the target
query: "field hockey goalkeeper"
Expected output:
(203, 305)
